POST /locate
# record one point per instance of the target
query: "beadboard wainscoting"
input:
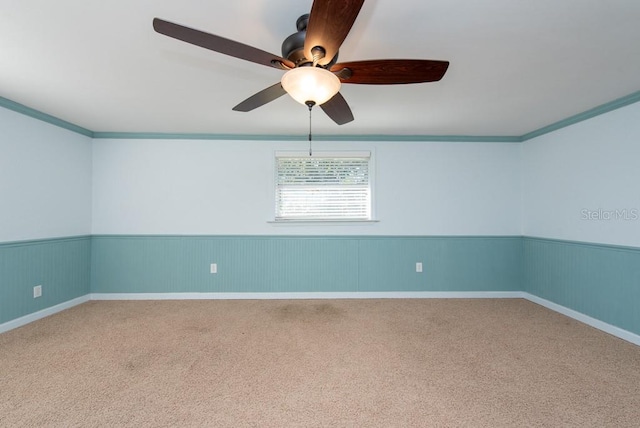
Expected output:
(268, 264)
(600, 281)
(593, 283)
(61, 266)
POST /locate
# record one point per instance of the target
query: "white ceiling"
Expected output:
(516, 65)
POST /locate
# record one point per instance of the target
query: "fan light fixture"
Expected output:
(314, 84)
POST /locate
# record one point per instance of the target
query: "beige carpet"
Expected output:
(348, 363)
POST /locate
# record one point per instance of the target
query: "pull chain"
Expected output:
(310, 104)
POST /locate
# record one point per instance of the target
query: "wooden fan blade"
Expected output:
(329, 24)
(261, 98)
(338, 109)
(219, 44)
(390, 71)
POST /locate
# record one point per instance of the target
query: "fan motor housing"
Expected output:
(293, 46)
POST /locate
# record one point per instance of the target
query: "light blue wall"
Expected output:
(581, 216)
(199, 187)
(587, 165)
(61, 266)
(45, 179)
(162, 264)
(45, 194)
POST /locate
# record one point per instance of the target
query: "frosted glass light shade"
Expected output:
(310, 84)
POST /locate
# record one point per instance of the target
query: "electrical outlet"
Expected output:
(37, 291)
(419, 267)
(214, 267)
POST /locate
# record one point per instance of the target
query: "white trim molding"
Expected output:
(578, 316)
(314, 295)
(600, 325)
(27, 319)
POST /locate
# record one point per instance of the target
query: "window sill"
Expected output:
(320, 222)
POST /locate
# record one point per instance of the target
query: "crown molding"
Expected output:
(28, 111)
(596, 111)
(327, 137)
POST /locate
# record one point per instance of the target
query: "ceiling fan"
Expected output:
(310, 58)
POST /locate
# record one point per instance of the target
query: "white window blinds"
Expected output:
(325, 186)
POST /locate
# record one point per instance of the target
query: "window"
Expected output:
(325, 186)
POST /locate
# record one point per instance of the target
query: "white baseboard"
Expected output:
(600, 325)
(313, 295)
(19, 322)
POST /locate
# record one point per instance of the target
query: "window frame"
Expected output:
(324, 154)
